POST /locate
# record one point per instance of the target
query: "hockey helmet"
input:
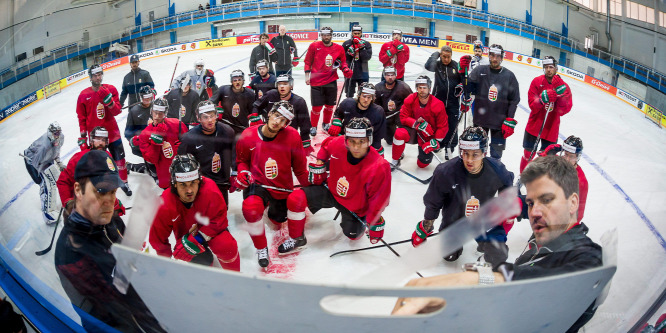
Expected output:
(549, 60)
(396, 31)
(237, 73)
(95, 69)
(366, 88)
(161, 105)
(99, 132)
(199, 62)
(54, 131)
(285, 109)
(261, 63)
(496, 49)
(359, 128)
(474, 138)
(388, 70)
(423, 79)
(478, 44)
(205, 106)
(184, 168)
(326, 31)
(357, 28)
(146, 92)
(284, 78)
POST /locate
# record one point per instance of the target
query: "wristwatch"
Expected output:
(485, 271)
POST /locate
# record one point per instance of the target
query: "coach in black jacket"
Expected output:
(283, 45)
(133, 82)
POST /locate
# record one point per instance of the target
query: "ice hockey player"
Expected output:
(265, 157)
(478, 58)
(234, 102)
(459, 187)
(549, 98)
(395, 53)
(263, 81)
(211, 86)
(390, 94)
(359, 186)
(362, 106)
(263, 51)
(322, 60)
(194, 210)
(159, 141)
(285, 48)
(197, 78)
(284, 92)
(137, 119)
(134, 81)
(99, 140)
(359, 52)
(183, 103)
(497, 97)
(448, 88)
(425, 123)
(83, 258)
(571, 150)
(42, 160)
(97, 106)
(211, 143)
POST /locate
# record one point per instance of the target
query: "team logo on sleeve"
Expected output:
(100, 111)
(492, 93)
(109, 164)
(342, 187)
(182, 111)
(391, 105)
(261, 94)
(329, 61)
(217, 163)
(271, 169)
(472, 206)
(235, 111)
(167, 150)
(198, 85)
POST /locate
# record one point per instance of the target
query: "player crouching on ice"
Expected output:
(194, 210)
(359, 185)
(39, 160)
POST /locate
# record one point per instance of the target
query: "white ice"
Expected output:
(625, 160)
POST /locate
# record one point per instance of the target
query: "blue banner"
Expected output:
(421, 41)
(8, 111)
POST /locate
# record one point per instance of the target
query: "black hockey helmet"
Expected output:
(54, 131)
(160, 105)
(237, 73)
(145, 91)
(94, 69)
(285, 109)
(474, 138)
(359, 127)
(284, 78)
(366, 88)
(99, 132)
(421, 80)
(184, 168)
(496, 49)
(549, 60)
(573, 144)
(205, 106)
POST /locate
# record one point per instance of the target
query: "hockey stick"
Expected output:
(422, 181)
(129, 106)
(375, 247)
(46, 250)
(393, 114)
(232, 124)
(174, 73)
(274, 188)
(549, 109)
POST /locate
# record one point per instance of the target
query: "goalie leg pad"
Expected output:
(48, 191)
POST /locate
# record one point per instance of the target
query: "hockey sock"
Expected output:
(296, 204)
(524, 161)
(224, 246)
(253, 211)
(233, 265)
(328, 113)
(401, 135)
(421, 164)
(122, 170)
(314, 115)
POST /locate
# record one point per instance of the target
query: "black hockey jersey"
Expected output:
(237, 106)
(301, 120)
(214, 152)
(137, 120)
(183, 107)
(348, 109)
(261, 86)
(497, 96)
(391, 100)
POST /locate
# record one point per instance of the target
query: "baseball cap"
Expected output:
(98, 166)
(134, 58)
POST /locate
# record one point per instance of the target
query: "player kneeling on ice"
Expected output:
(42, 159)
(194, 210)
(561, 244)
(459, 187)
(265, 157)
(359, 185)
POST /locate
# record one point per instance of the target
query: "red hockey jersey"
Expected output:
(582, 190)
(319, 62)
(66, 181)
(162, 155)
(271, 161)
(92, 113)
(364, 188)
(398, 60)
(434, 113)
(561, 107)
(173, 216)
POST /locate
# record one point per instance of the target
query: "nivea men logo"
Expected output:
(419, 41)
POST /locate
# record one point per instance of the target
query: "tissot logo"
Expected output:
(626, 96)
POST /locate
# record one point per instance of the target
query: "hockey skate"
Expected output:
(454, 256)
(262, 257)
(292, 245)
(126, 189)
(396, 163)
(325, 127)
(313, 131)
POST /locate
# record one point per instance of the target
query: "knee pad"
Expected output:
(253, 209)
(297, 201)
(401, 135)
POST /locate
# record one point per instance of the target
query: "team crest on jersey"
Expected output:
(342, 186)
(329, 61)
(492, 93)
(182, 111)
(217, 163)
(391, 105)
(109, 164)
(167, 150)
(261, 94)
(235, 111)
(271, 169)
(100, 111)
(472, 206)
(198, 85)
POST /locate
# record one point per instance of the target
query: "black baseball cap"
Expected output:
(98, 166)
(134, 58)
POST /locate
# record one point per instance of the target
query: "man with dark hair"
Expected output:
(390, 94)
(134, 81)
(358, 53)
(560, 244)
(263, 51)
(83, 256)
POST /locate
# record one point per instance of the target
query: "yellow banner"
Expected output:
(52, 88)
(458, 46)
(653, 114)
(229, 41)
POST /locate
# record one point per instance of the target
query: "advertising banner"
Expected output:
(219, 42)
(627, 97)
(653, 114)
(600, 84)
(115, 63)
(20, 104)
(458, 46)
(572, 73)
(527, 60)
(296, 36)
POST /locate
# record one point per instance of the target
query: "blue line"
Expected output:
(617, 187)
(17, 236)
(231, 64)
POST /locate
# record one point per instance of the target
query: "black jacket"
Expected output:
(301, 119)
(260, 86)
(283, 45)
(190, 101)
(447, 77)
(260, 52)
(215, 153)
(360, 64)
(132, 83)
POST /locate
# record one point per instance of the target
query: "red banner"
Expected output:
(297, 36)
(115, 63)
(600, 84)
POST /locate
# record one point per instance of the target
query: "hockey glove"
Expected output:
(430, 146)
(106, 96)
(351, 50)
(232, 181)
(156, 139)
(559, 90)
(508, 126)
(134, 142)
(347, 73)
(399, 46)
(391, 51)
(255, 119)
(307, 146)
(465, 103)
(270, 48)
(465, 61)
(295, 61)
(194, 243)
(336, 127)
(548, 96)
(244, 179)
(119, 208)
(423, 230)
(376, 231)
(83, 141)
(60, 165)
(458, 90)
(553, 149)
(424, 127)
(316, 173)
